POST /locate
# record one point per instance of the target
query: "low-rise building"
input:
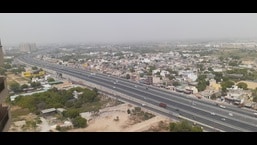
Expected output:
(48, 112)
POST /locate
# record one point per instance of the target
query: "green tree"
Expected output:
(71, 113)
(24, 86)
(79, 122)
(95, 90)
(171, 77)
(34, 68)
(200, 66)
(132, 70)
(210, 69)
(183, 126)
(152, 67)
(221, 58)
(226, 84)
(15, 87)
(213, 96)
(128, 76)
(218, 76)
(175, 83)
(202, 83)
(242, 85)
(7, 66)
(255, 99)
(2, 71)
(128, 111)
(35, 84)
(50, 79)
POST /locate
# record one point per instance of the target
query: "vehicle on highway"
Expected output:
(163, 105)
(143, 105)
(223, 119)
(114, 87)
(114, 83)
(213, 113)
(221, 106)
(135, 86)
(255, 114)
(230, 114)
(177, 109)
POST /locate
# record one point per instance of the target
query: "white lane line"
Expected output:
(200, 116)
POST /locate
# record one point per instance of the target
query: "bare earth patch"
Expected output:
(107, 121)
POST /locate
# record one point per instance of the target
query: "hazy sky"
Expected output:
(114, 27)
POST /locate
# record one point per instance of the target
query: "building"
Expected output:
(4, 110)
(27, 47)
(48, 112)
(34, 73)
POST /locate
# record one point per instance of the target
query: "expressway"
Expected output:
(199, 110)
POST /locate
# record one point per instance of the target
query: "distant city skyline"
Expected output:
(123, 27)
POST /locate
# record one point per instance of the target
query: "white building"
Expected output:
(155, 71)
(217, 69)
(164, 73)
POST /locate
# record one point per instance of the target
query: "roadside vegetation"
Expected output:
(184, 126)
(137, 115)
(87, 101)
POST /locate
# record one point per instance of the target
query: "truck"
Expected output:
(163, 105)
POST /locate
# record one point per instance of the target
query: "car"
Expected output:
(143, 105)
(135, 86)
(230, 114)
(221, 106)
(114, 83)
(114, 87)
(213, 113)
(223, 119)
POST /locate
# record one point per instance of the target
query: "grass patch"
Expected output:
(94, 107)
(19, 112)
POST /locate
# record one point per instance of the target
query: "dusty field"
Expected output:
(105, 121)
(250, 85)
(16, 78)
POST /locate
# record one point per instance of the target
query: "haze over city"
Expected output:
(115, 27)
(130, 72)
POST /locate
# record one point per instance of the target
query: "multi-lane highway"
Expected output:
(230, 118)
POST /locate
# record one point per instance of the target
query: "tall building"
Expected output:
(27, 47)
(4, 110)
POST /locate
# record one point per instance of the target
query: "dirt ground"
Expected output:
(16, 78)
(105, 121)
